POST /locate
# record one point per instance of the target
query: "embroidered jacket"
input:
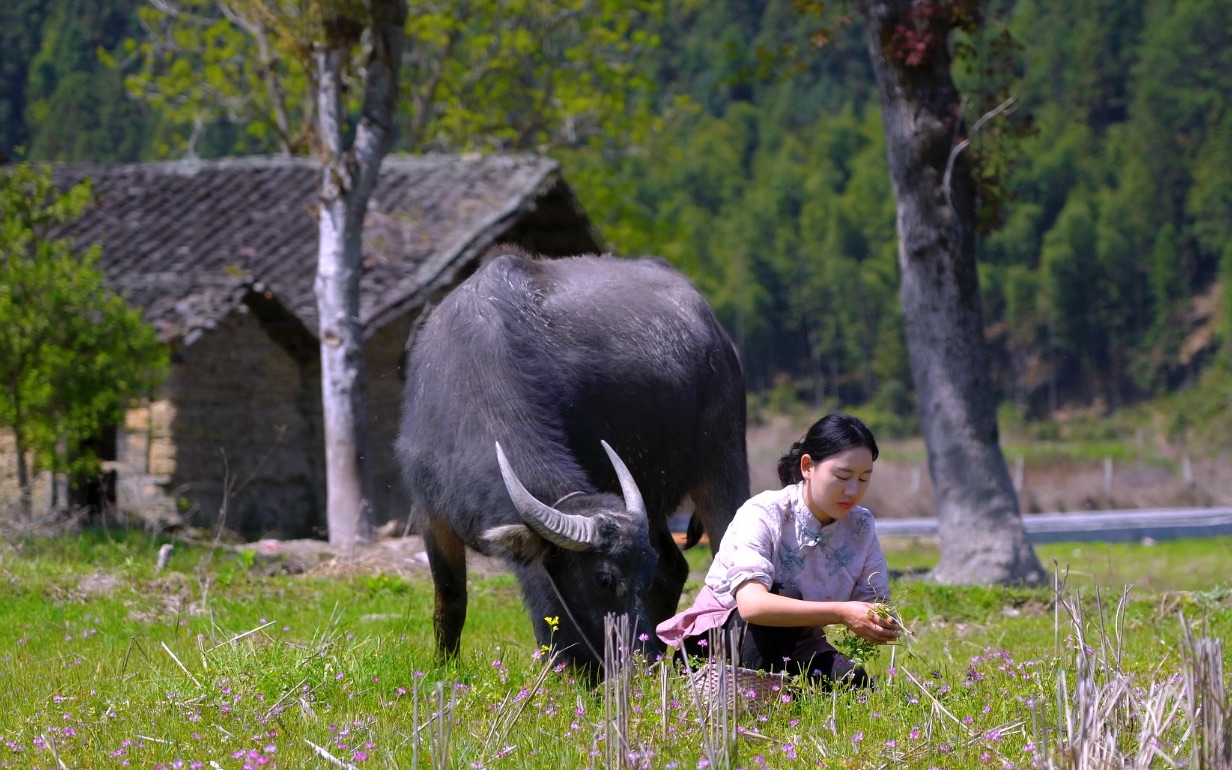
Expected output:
(774, 538)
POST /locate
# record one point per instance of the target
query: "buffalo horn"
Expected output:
(628, 487)
(576, 533)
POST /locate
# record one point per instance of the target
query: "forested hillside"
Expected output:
(760, 171)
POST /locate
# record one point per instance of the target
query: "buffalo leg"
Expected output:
(447, 561)
(669, 577)
(716, 498)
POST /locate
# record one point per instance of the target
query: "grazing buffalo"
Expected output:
(556, 412)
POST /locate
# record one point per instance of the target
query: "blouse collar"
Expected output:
(809, 531)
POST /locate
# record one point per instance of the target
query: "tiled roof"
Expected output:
(186, 240)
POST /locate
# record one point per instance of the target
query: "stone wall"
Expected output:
(10, 490)
(236, 436)
(385, 359)
(232, 439)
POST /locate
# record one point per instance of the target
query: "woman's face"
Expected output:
(835, 485)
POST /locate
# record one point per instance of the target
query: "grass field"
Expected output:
(222, 660)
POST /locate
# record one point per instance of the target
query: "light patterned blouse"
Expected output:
(775, 538)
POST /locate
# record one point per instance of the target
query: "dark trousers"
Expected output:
(793, 650)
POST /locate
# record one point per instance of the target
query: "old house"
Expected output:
(221, 256)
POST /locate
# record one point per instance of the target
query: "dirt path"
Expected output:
(402, 556)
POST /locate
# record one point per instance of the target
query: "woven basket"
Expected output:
(745, 688)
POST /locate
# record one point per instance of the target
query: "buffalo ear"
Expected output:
(518, 541)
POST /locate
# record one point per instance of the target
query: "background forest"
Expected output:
(753, 159)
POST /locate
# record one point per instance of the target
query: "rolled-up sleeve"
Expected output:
(747, 552)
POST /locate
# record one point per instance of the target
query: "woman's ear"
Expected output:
(806, 465)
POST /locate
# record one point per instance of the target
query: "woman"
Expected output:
(796, 560)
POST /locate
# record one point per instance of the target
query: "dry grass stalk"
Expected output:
(438, 726)
(618, 670)
(1207, 703)
(713, 687)
(509, 715)
(1110, 721)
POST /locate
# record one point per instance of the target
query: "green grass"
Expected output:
(1170, 565)
(105, 661)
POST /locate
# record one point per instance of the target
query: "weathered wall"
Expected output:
(385, 359)
(236, 435)
(10, 490)
(230, 436)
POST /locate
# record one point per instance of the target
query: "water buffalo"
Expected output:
(556, 412)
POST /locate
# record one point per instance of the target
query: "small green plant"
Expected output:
(860, 650)
(247, 558)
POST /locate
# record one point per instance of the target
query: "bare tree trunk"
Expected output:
(982, 536)
(348, 175)
(25, 486)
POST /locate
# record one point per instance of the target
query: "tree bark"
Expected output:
(348, 175)
(25, 487)
(982, 535)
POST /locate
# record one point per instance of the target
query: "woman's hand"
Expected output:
(863, 620)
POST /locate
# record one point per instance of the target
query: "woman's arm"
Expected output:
(760, 607)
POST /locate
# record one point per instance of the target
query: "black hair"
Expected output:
(827, 437)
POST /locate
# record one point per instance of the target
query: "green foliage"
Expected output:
(724, 139)
(479, 74)
(74, 107)
(529, 74)
(201, 67)
(21, 22)
(74, 354)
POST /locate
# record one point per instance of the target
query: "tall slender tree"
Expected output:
(981, 530)
(350, 163)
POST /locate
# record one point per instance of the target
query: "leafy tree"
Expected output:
(1071, 274)
(73, 354)
(1102, 35)
(526, 74)
(88, 117)
(21, 24)
(75, 106)
(475, 74)
(1165, 288)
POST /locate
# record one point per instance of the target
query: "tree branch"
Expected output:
(960, 146)
(265, 68)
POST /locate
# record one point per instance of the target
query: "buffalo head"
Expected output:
(588, 556)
